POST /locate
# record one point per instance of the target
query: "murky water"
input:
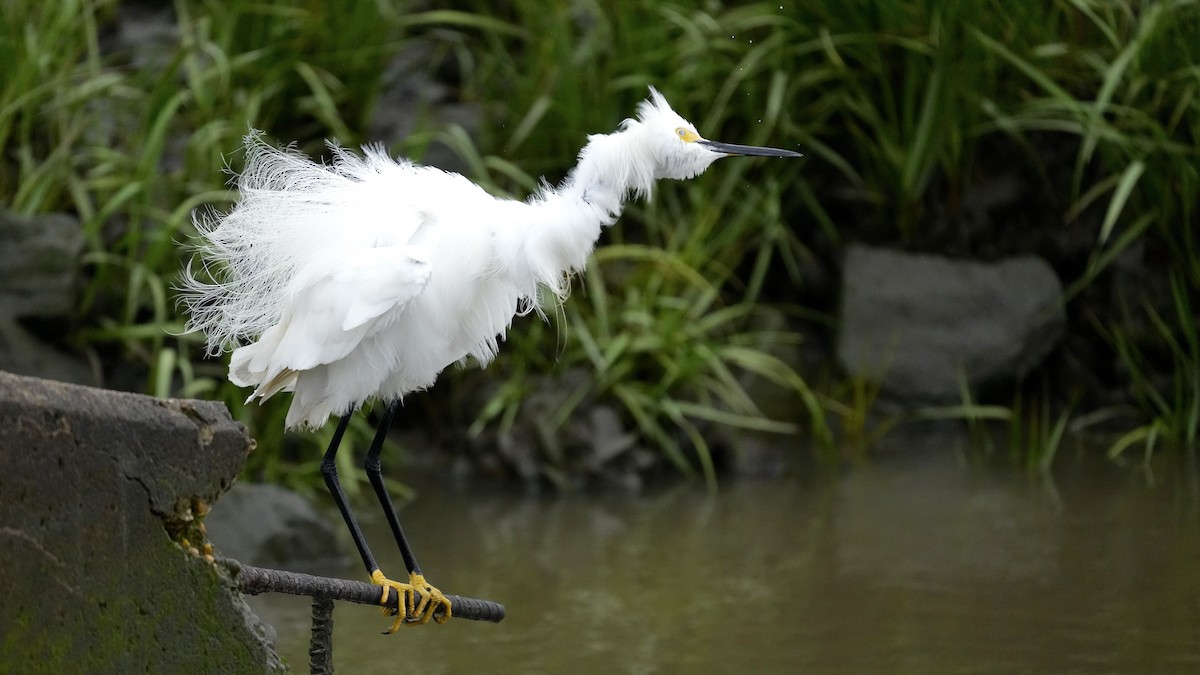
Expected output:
(922, 564)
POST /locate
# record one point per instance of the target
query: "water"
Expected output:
(920, 564)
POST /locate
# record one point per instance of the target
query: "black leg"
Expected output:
(375, 475)
(329, 471)
(432, 603)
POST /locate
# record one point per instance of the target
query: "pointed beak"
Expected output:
(748, 150)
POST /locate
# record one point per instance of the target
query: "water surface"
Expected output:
(917, 563)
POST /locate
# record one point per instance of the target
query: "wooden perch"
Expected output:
(256, 580)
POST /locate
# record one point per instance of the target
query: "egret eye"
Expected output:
(687, 135)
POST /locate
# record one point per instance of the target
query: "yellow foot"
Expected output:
(416, 611)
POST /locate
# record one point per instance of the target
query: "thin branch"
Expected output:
(256, 580)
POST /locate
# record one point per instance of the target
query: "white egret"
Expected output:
(364, 278)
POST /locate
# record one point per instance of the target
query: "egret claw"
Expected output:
(405, 592)
(431, 600)
(409, 610)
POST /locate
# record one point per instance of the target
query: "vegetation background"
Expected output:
(709, 308)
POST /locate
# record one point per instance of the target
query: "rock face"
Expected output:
(918, 323)
(99, 490)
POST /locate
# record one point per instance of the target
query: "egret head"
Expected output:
(678, 149)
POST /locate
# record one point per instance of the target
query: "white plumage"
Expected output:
(367, 277)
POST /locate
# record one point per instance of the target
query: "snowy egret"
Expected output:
(365, 278)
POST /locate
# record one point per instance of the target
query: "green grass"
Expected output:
(900, 107)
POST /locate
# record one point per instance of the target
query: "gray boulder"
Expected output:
(38, 264)
(101, 535)
(268, 526)
(22, 353)
(920, 323)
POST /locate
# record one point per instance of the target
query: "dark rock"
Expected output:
(920, 323)
(762, 454)
(23, 354)
(268, 526)
(145, 35)
(607, 436)
(592, 445)
(759, 454)
(38, 264)
(102, 498)
(409, 97)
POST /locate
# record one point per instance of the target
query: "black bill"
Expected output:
(750, 150)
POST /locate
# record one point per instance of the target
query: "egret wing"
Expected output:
(336, 311)
(384, 279)
(336, 303)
